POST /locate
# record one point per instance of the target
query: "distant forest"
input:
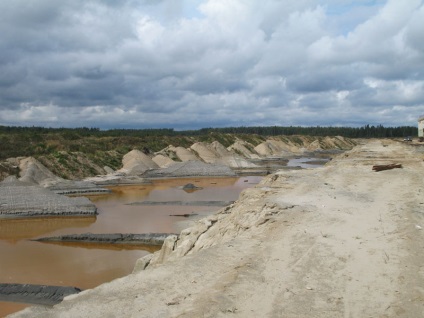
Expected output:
(350, 132)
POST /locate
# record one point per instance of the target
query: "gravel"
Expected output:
(21, 199)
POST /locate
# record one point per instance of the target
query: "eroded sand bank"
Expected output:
(337, 241)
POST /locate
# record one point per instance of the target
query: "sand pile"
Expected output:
(31, 170)
(34, 172)
(276, 148)
(204, 152)
(241, 153)
(136, 162)
(281, 146)
(182, 154)
(217, 153)
(162, 161)
(243, 148)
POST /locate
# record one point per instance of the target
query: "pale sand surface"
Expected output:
(337, 241)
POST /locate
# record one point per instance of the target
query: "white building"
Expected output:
(421, 126)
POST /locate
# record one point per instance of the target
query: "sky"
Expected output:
(189, 64)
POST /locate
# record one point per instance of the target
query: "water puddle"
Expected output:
(307, 162)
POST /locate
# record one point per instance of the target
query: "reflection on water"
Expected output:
(51, 264)
(113, 247)
(88, 265)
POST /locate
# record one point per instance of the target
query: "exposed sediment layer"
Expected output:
(337, 241)
(156, 239)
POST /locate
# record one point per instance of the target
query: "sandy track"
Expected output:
(337, 241)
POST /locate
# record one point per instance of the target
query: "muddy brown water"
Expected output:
(86, 265)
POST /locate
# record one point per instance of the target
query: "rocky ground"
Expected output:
(337, 241)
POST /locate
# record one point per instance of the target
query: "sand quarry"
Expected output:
(337, 241)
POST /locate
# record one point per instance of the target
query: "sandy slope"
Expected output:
(337, 241)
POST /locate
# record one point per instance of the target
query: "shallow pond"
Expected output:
(307, 162)
(86, 266)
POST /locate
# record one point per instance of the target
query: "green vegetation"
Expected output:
(98, 145)
(367, 131)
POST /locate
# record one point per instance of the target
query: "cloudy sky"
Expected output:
(188, 64)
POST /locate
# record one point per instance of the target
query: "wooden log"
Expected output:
(386, 167)
(186, 215)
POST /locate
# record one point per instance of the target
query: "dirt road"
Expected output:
(337, 241)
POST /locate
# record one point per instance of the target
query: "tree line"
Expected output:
(366, 131)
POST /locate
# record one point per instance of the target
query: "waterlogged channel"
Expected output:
(86, 266)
